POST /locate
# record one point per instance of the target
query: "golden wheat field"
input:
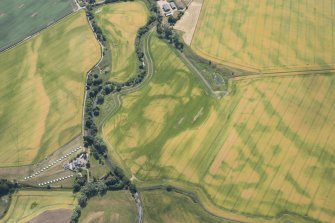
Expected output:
(264, 150)
(120, 23)
(41, 90)
(267, 35)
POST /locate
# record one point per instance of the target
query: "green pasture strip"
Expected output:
(22, 18)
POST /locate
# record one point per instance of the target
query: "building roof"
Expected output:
(173, 6)
(166, 7)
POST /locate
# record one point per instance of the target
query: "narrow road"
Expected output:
(150, 71)
(195, 70)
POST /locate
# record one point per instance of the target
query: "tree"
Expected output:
(101, 187)
(132, 188)
(172, 20)
(75, 187)
(100, 99)
(4, 189)
(82, 201)
(76, 214)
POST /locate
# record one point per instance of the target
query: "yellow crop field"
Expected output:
(264, 150)
(120, 23)
(42, 88)
(26, 205)
(268, 36)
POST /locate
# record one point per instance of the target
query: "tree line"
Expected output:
(97, 88)
(115, 180)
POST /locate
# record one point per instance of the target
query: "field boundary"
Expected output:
(194, 197)
(283, 74)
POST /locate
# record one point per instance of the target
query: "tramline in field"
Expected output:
(267, 36)
(261, 151)
(42, 82)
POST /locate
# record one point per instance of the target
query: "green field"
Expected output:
(21, 18)
(116, 206)
(264, 150)
(42, 88)
(167, 207)
(268, 36)
(27, 205)
(120, 23)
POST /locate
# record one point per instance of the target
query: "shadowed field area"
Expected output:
(263, 150)
(120, 23)
(271, 36)
(42, 88)
(21, 18)
(28, 205)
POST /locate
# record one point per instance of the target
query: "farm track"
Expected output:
(118, 101)
(189, 193)
(118, 104)
(284, 74)
(148, 59)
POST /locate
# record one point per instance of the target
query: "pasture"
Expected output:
(120, 23)
(42, 88)
(27, 205)
(264, 150)
(267, 36)
(115, 206)
(21, 18)
(166, 207)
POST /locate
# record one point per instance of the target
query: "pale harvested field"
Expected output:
(59, 216)
(188, 22)
(120, 23)
(264, 150)
(41, 90)
(27, 205)
(270, 36)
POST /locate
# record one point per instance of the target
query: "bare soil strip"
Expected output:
(188, 22)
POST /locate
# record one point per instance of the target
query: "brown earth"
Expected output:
(55, 216)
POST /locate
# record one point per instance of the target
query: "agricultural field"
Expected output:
(28, 205)
(267, 36)
(120, 23)
(21, 18)
(116, 206)
(42, 88)
(166, 207)
(263, 150)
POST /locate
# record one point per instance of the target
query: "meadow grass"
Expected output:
(263, 150)
(165, 207)
(21, 18)
(98, 169)
(42, 88)
(26, 205)
(115, 206)
(120, 23)
(267, 35)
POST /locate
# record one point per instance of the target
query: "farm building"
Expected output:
(180, 5)
(166, 7)
(173, 6)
